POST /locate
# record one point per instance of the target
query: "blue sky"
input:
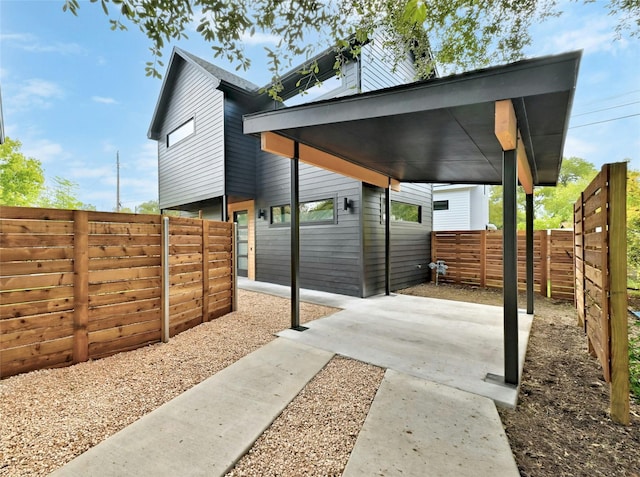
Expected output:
(74, 92)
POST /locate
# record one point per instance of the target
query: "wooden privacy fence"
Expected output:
(601, 278)
(475, 258)
(79, 285)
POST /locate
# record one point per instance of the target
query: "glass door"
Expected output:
(241, 217)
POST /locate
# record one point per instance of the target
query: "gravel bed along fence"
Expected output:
(48, 417)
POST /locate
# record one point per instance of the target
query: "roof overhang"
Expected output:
(443, 129)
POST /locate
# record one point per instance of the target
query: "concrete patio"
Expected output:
(448, 342)
(433, 415)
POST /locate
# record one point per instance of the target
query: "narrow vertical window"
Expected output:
(181, 132)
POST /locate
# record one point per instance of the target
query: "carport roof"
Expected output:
(441, 130)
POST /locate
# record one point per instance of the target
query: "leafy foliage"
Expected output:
(149, 207)
(457, 33)
(553, 206)
(21, 177)
(22, 182)
(63, 195)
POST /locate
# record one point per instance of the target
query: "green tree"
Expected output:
(457, 33)
(552, 206)
(149, 207)
(21, 177)
(633, 219)
(63, 195)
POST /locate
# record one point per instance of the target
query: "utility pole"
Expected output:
(118, 181)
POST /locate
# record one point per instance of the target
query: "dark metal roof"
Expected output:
(235, 86)
(442, 129)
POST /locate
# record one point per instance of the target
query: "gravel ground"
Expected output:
(49, 417)
(315, 434)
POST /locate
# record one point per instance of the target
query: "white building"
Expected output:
(460, 207)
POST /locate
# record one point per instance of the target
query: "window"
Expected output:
(403, 212)
(312, 212)
(181, 132)
(280, 214)
(440, 205)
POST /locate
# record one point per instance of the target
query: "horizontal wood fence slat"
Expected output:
(475, 258)
(78, 285)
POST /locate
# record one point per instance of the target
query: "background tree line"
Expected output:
(22, 183)
(553, 206)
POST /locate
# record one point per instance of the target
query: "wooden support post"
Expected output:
(80, 286)
(164, 261)
(205, 270)
(618, 292)
(544, 263)
(483, 258)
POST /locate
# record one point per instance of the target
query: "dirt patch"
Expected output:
(562, 425)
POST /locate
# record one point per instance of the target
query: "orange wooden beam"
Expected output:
(506, 127)
(524, 171)
(282, 146)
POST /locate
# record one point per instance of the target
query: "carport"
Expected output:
(500, 126)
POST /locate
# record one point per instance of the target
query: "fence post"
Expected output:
(234, 265)
(80, 286)
(544, 262)
(483, 258)
(165, 280)
(618, 292)
(205, 270)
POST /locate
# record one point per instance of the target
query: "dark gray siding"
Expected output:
(193, 169)
(240, 152)
(410, 242)
(330, 255)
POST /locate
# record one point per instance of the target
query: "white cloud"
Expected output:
(103, 100)
(259, 38)
(31, 43)
(593, 34)
(33, 93)
(43, 150)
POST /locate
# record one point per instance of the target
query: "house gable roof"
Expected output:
(233, 85)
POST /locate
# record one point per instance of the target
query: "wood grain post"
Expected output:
(80, 286)
(205, 270)
(544, 263)
(618, 292)
(164, 325)
(483, 258)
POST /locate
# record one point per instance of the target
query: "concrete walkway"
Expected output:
(416, 427)
(420, 428)
(205, 430)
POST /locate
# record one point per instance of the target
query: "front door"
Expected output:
(241, 217)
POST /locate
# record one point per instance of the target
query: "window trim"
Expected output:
(191, 121)
(304, 223)
(443, 201)
(407, 222)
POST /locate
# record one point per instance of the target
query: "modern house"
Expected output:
(460, 207)
(207, 166)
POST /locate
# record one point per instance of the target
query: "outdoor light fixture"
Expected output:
(262, 214)
(348, 204)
